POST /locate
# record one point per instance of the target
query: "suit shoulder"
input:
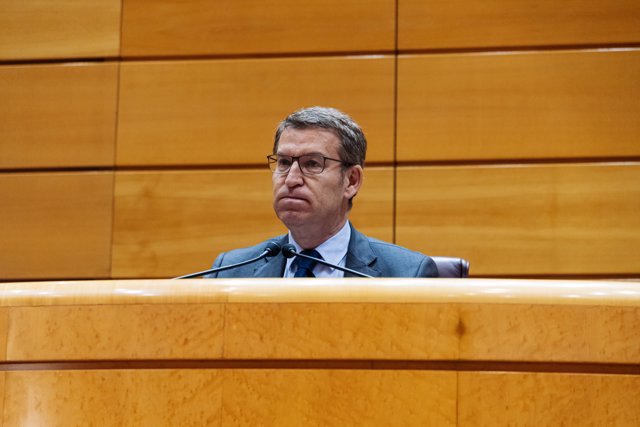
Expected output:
(386, 248)
(242, 254)
(398, 261)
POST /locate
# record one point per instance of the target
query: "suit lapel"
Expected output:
(360, 256)
(274, 266)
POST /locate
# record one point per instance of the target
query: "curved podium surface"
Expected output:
(446, 352)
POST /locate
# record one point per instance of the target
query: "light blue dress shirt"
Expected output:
(333, 250)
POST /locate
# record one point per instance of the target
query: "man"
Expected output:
(317, 163)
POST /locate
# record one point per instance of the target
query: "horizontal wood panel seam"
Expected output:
(400, 164)
(332, 364)
(311, 55)
(61, 61)
(521, 49)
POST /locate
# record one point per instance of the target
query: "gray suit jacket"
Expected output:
(367, 255)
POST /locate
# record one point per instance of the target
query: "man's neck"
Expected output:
(310, 240)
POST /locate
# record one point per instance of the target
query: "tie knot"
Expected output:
(305, 266)
(311, 252)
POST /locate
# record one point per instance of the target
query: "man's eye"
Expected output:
(284, 162)
(312, 164)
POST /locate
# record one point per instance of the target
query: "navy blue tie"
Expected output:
(305, 266)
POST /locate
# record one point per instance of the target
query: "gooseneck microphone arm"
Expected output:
(289, 251)
(272, 249)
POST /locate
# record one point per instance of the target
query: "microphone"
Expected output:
(272, 249)
(289, 251)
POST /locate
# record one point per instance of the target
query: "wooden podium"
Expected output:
(299, 352)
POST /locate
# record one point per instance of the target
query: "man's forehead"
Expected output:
(309, 139)
(310, 133)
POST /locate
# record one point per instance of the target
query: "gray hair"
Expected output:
(353, 144)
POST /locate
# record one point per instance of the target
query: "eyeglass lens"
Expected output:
(309, 163)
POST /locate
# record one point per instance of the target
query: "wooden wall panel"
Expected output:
(226, 112)
(519, 105)
(4, 331)
(551, 332)
(535, 399)
(174, 397)
(113, 398)
(39, 29)
(172, 223)
(327, 397)
(3, 390)
(318, 330)
(58, 115)
(372, 211)
(55, 225)
(432, 24)
(196, 27)
(183, 331)
(516, 219)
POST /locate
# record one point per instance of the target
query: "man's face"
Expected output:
(319, 202)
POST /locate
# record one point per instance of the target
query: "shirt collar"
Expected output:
(332, 250)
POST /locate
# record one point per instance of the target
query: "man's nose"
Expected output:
(294, 176)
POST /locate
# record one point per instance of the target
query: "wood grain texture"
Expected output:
(525, 105)
(116, 332)
(3, 391)
(550, 333)
(516, 219)
(338, 398)
(432, 24)
(264, 327)
(324, 319)
(196, 27)
(58, 115)
(55, 225)
(372, 211)
(172, 223)
(226, 112)
(4, 330)
(341, 331)
(42, 29)
(534, 399)
(113, 398)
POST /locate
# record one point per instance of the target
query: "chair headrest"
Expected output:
(451, 267)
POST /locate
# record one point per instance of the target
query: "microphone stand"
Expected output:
(272, 249)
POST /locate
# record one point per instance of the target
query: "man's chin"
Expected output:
(292, 219)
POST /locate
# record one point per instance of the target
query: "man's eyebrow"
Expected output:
(304, 154)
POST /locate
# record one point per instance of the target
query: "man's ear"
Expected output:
(353, 181)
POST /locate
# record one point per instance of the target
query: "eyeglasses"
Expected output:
(310, 164)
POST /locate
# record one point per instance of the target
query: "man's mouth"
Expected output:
(293, 199)
(293, 196)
